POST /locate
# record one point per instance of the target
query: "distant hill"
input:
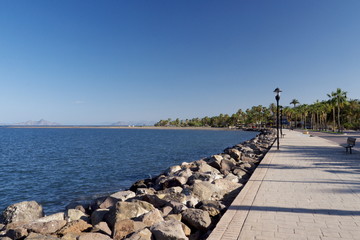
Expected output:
(133, 123)
(41, 122)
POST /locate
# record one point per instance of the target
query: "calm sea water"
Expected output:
(57, 166)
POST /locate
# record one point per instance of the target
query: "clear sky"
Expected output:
(96, 62)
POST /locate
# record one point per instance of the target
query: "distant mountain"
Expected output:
(41, 122)
(133, 123)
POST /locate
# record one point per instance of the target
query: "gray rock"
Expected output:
(168, 230)
(53, 217)
(23, 212)
(46, 227)
(123, 195)
(196, 218)
(74, 214)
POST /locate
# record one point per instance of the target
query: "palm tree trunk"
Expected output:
(334, 119)
(339, 128)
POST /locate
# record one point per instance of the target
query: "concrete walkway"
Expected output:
(309, 189)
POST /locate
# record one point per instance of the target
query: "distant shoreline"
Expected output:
(121, 127)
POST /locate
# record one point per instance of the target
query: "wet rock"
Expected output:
(196, 218)
(168, 230)
(27, 211)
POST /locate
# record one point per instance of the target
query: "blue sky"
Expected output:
(96, 62)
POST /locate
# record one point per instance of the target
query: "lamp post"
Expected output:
(277, 91)
(281, 121)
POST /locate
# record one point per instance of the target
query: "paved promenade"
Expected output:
(309, 189)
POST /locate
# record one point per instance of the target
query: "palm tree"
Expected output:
(294, 102)
(338, 98)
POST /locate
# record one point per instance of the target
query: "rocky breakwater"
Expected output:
(185, 202)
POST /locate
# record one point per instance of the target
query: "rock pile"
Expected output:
(185, 202)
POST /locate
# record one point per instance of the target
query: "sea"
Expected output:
(56, 166)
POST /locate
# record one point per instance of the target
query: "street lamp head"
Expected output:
(277, 91)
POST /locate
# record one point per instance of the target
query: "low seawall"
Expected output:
(184, 202)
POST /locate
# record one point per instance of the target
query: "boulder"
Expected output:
(215, 161)
(128, 210)
(171, 190)
(17, 233)
(37, 236)
(144, 183)
(82, 206)
(196, 218)
(53, 217)
(151, 217)
(75, 227)
(177, 197)
(70, 236)
(206, 168)
(143, 234)
(102, 227)
(173, 182)
(123, 195)
(172, 170)
(168, 230)
(108, 202)
(93, 236)
(27, 211)
(203, 190)
(231, 177)
(212, 207)
(234, 153)
(145, 191)
(74, 214)
(122, 228)
(46, 227)
(98, 216)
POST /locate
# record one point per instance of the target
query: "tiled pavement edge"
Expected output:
(309, 189)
